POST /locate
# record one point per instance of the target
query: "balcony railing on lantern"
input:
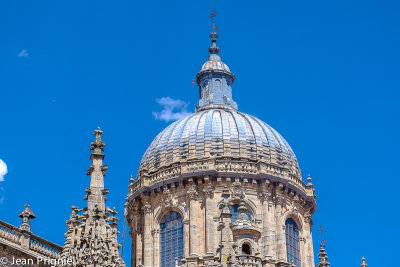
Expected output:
(249, 261)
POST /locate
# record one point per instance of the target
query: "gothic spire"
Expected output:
(96, 192)
(92, 236)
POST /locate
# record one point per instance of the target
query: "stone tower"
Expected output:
(92, 237)
(220, 188)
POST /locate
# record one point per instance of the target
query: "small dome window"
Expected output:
(246, 249)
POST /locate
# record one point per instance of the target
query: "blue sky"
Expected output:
(325, 74)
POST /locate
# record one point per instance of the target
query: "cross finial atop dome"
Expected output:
(214, 49)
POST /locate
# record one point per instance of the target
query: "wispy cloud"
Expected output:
(23, 53)
(173, 109)
(3, 170)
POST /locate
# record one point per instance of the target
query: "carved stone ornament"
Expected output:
(237, 190)
(208, 191)
(192, 192)
(167, 197)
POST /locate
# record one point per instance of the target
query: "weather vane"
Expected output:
(322, 231)
(212, 17)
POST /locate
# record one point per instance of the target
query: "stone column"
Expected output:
(139, 238)
(209, 222)
(280, 228)
(156, 246)
(133, 247)
(147, 238)
(193, 221)
(308, 250)
(139, 248)
(224, 227)
(268, 233)
(186, 239)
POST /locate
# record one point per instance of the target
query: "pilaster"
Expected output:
(193, 220)
(156, 246)
(279, 227)
(268, 233)
(147, 241)
(209, 221)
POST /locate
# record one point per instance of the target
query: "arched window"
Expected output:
(171, 239)
(235, 213)
(292, 242)
(246, 249)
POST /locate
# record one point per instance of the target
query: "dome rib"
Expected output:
(267, 131)
(208, 133)
(257, 137)
(162, 145)
(177, 137)
(200, 135)
(250, 128)
(217, 140)
(241, 131)
(190, 131)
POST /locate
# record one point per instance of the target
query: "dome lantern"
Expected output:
(215, 79)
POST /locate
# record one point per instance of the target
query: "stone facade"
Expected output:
(203, 166)
(21, 247)
(200, 201)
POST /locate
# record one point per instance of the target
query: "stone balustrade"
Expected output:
(225, 166)
(10, 233)
(45, 247)
(249, 261)
(25, 240)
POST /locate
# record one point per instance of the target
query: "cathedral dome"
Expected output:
(218, 139)
(219, 187)
(217, 132)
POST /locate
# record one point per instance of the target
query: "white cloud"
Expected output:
(23, 53)
(173, 109)
(3, 170)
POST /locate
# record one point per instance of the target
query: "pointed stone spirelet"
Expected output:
(242, 209)
(323, 257)
(309, 180)
(26, 215)
(96, 192)
(225, 205)
(363, 264)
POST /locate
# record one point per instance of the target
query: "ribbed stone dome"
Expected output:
(218, 133)
(217, 138)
